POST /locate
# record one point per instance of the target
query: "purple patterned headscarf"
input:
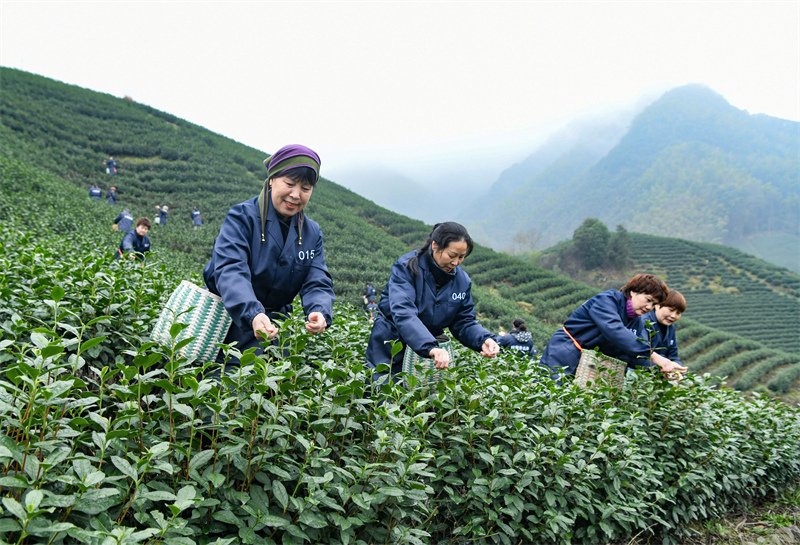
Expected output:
(293, 156)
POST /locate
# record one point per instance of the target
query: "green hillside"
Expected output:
(690, 166)
(106, 437)
(49, 127)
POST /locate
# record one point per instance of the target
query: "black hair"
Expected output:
(301, 175)
(519, 323)
(442, 234)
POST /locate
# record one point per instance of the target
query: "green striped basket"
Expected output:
(595, 366)
(204, 313)
(417, 366)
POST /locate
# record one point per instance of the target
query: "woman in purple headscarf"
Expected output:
(268, 252)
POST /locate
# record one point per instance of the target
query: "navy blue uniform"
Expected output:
(111, 197)
(663, 341)
(520, 342)
(125, 221)
(414, 312)
(162, 216)
(254, 276)
(132, 242)
(95, 193)
(601, 322)
(196, 218)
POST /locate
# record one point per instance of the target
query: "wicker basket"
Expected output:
(595, 365)
(204, 313)
(416, 366)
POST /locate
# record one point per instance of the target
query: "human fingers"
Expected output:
(316, 323)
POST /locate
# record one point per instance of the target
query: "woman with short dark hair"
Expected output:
(427, 292)
(611, 321)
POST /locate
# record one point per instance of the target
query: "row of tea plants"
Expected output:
(107, 438)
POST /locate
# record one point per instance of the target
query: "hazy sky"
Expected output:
(364, 80)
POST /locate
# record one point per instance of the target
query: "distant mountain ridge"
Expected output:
(690, 166)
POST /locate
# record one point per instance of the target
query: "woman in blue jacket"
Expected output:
(519, 340)
(661, 328)
(268, 252)
(427, 292)
(611, 321)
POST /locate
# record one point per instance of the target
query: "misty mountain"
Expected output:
(690, 166)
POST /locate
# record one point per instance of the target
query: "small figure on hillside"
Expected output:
(111, 165)
(162, 214)
(427, 292)
(661, 328)
(124, 221)
(136, 242)
(95, 192)
(519, 340)
(369, 294)
(372, 311)
(198, 223)
(111, 197)
(611, 321)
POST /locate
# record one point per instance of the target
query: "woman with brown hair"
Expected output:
(660, 328)
(611, 321)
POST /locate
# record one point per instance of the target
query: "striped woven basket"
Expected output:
(595, 365)
(204, 313)
(416, 366)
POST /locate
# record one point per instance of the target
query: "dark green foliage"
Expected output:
(619, 249)
(591, 243)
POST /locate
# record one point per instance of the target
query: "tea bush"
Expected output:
(107, 438)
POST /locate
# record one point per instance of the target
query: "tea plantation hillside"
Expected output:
(107, 438)
(54, 138)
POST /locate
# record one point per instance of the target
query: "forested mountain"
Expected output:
(690, 166)
(55, 137)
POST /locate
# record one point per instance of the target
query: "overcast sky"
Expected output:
(369, 81)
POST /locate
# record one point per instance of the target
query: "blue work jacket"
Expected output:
(663, 341)
(600, 322)
(132, 242)
(95, 193)
(196, 217)
(254, 275)
(413, 312)
(125, 221)
(162, 217)
(520, 342)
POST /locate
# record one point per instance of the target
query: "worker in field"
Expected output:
(136, 243)
(111, 165)
(111, 197)
(427, 292)
(610, 322)
(519, 340)
(268, 252)
(660, 325)
(95, 192)
(123, 222)
(162, 214)
(198, 223)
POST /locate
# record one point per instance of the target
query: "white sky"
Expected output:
(370, 81)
